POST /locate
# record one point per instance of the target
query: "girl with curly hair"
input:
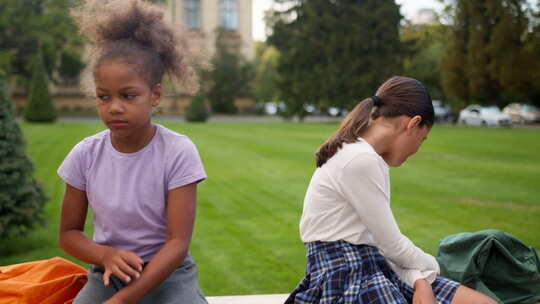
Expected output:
(139, 178)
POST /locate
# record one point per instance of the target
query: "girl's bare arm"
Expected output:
(123, 264)
(181, 205)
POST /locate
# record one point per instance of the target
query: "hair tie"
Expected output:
(377, 101)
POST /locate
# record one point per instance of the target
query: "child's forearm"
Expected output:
(168, 258)
(78, 245)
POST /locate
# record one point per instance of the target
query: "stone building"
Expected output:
(201, 18)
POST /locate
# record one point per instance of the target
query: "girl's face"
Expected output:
(407, 142)
(124, 99)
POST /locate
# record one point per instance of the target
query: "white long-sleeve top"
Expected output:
(348, 199)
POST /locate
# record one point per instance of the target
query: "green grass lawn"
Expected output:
(246, 237)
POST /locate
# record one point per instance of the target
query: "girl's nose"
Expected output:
(116, 106)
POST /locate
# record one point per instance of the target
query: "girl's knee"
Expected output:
(466, 295)
(487, 300)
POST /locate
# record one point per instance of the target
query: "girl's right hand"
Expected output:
(125, 265)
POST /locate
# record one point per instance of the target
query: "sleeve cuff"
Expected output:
(71, 181)
(409, 276)
(412, 275)
(195, 178)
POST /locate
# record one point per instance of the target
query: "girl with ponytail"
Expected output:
(355, 250)
(139, 178)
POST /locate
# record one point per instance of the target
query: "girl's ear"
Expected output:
(414, 122)
(157, 93)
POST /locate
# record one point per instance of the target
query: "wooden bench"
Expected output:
(252, 299)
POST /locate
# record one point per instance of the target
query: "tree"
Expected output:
(27, 24)
(531, 50)
(489, 57)
(39, 105)
(424, 50)
(21, 197)
(266, 74)
(335, 52)
(24, 23)
(197, 110)
(231, 75)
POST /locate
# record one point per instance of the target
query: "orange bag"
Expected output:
(52, 281)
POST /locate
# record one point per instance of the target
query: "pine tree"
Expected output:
(21, 197)
(39, 105)
(231, 75)
(335, 52)
(197, 111)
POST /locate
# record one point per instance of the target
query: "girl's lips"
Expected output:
(117, 124)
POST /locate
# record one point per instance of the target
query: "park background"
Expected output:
(319, 55)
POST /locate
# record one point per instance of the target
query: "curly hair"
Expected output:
(135, 32)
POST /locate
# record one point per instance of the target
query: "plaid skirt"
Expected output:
(343, 273)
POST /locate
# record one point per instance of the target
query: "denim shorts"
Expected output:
(180, 287)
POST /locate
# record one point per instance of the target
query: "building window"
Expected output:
(192, 13)
(228, 14)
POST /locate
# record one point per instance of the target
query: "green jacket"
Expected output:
(494, 263)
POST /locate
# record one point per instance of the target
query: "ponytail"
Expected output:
(355, 123)
(395, 97)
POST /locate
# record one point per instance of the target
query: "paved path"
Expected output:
(215, 118)
(254, 118)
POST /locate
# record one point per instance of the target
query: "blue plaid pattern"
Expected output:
(343, 273)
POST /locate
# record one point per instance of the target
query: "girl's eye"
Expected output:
(130, 96)
(103, 98)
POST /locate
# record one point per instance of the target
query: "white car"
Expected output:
(476, 115)
(443, 112)
(522, 113)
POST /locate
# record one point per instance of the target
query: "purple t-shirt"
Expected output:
(128, 191)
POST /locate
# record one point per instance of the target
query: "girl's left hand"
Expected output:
(423, 293)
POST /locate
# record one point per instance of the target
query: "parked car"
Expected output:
(443, 112)
(269, 108)
(310, 108)
(335, 111)
(484, 116)
(522, 113)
